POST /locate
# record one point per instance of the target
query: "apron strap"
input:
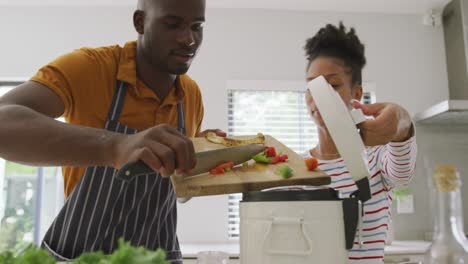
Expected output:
(181, 118)
(117, 101)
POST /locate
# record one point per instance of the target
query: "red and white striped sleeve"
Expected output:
(397, 162)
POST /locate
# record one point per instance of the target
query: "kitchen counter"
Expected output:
(407, 247)
(398, 252)
(191, 250)
(396, 248)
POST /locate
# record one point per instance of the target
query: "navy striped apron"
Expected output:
(101, 209)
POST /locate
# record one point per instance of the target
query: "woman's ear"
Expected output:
(356, 92)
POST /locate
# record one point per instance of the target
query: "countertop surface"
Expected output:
(190, 250)
(407, 247)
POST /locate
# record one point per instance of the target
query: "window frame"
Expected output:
(40, 177)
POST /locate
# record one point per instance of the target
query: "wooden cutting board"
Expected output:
(241, 179)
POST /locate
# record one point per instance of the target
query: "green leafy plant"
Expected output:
(125, 254)
(31, 255)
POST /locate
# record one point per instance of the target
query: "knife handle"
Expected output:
(133, 169)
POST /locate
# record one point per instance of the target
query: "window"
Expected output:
(276, 108)
(26, 209)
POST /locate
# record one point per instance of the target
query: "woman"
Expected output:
(338, 55)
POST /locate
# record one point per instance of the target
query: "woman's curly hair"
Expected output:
(337, 42)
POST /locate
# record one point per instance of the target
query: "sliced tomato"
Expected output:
(311, 163)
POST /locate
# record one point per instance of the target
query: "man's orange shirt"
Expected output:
(85, 81)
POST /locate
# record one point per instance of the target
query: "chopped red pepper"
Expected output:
(270, 152)
(222, 168)
(284, 158)
(275, 160)
(216, 171)
(279, 158)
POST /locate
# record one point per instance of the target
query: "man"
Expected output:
(139, 87)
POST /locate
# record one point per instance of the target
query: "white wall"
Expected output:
(436, 145)
(405, 61)
(2, 183)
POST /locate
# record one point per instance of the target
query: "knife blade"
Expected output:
(206, 160)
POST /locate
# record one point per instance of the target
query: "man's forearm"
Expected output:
(29, 137)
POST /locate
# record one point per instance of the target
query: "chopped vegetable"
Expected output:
(270, 152)
(278, 159)
(262, 158)
(222, 168)
(216, 171)
(283, 158)
(284, 171)
(275, 160)
(269, 156)
(311, 163)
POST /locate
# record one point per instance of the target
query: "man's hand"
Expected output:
(218, 132)
(161, 147)
(391, 123)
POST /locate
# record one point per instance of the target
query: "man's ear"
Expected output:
(356, 92)
(139, 21)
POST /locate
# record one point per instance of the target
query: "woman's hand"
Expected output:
(391, 123)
